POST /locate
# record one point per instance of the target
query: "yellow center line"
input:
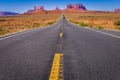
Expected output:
(61, 34)
(57, 68)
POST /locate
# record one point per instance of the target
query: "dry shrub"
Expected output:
(10, 24)
(106, 20)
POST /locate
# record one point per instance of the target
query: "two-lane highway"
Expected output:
(88, 54)
(28, 56)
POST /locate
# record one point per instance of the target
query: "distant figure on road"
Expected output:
(63, 16)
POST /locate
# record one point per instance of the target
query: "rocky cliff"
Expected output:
(75, 7)
(70, 7)
(36, 10)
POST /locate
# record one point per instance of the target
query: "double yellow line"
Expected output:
(57, 68)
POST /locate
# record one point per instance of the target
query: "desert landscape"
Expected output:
(10, 24)
(60, 40)
(99, 20)
(76, 13)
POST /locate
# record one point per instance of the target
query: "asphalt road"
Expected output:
(88, 54)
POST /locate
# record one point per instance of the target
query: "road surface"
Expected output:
(89, 54)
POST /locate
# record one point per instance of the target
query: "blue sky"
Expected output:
(23, 5)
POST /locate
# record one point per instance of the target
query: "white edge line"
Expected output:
(104, 33)
(98, 31)
(12, 35)
(23, 31)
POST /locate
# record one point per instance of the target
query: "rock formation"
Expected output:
(70, 7)
(36, 10)
(75, 7)
(57, 8)
(40, 8)
(117, 10)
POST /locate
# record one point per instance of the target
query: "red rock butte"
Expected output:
(70, 7)
(38, 8)
(117, 10)
(57, 8)
(41, 10)
(75, 7)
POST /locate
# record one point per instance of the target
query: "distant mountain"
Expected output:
(7, 13)
(117, 10)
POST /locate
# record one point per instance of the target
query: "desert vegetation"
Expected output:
(10, 24)
(100, 20)
(117, 23)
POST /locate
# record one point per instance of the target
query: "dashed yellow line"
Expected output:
(57, 68)
(61, 34)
